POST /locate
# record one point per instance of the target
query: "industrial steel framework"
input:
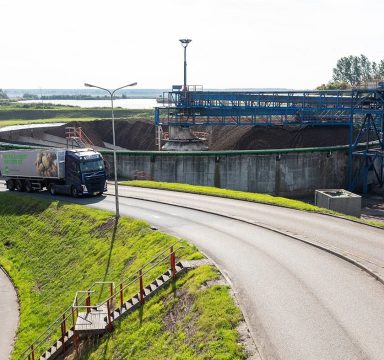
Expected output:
(361, 109)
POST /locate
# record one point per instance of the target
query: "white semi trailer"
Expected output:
(75, 172)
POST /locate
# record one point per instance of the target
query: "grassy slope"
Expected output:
(241, 195)
(42, 121)
(18, 114)
(53, 249)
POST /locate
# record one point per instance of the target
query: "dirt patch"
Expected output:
(179, 311)
(38, 287)
(130, 134)
(104, 228)
(372, 207)
(8, 244)
(277, 137)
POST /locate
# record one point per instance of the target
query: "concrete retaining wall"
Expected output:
(272, 172)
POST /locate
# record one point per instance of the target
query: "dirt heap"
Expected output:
(140, 135)
(277, 137)
(132, 135)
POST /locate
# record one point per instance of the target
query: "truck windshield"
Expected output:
(91, 165)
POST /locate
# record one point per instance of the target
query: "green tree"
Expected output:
(355, 70)
(3, 94)
(378, 70)
(365, 68)
(334, 85)
(28, 96)
(348, 70)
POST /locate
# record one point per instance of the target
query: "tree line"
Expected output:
(352, 71)
(3, 94)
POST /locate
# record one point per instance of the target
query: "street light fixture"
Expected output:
(184, 44)
(111, 93)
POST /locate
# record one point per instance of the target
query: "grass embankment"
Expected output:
(52, 249)
(12, 122)
(241, 195)
(18, 114)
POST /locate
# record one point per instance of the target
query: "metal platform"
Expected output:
(336, 107)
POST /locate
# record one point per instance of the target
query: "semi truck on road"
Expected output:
(62, 171)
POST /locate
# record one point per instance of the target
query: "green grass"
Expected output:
(246, 196)
(42, 121)
(52, 249)
(18, 114)
(190, 323)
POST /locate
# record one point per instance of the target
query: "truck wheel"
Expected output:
(28, 186)
(52, 189)
(11, 185)
(74, 192)
(19, 185)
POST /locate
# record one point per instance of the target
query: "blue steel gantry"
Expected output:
(361, 109)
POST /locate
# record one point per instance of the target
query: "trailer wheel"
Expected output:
(74, 192)
(11, 185)
(19, 185)
(28, 186)
(52, 189)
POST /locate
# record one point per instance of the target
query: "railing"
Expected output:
(77, 133)
(41, 342)
(120, 292)
(117, 294)
(176, 88)
(202, 135)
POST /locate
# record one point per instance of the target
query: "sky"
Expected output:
(235, 43)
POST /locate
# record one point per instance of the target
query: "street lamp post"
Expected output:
(112, 93)
(184, 44)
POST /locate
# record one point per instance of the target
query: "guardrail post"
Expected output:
(76, 341)
(77, 308)
(63, 331)
(173, 263)
(111, 293)
(73, 319)
(88, 302)
(121, 295)
(110, 327)
(141, 287)
(32, 353)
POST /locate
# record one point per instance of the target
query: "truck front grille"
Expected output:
(95, 183)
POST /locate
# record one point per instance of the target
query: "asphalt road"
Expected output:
(363, 244)
(9, 315)
(300, 302)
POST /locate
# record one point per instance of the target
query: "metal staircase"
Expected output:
(76, 137)
(82, 319)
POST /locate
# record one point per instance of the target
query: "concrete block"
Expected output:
(339, 200)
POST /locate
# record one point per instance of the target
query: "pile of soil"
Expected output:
(277, 137)
(140, 135)
(131, 135)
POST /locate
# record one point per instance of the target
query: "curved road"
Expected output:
(9, 311)
(300, 302)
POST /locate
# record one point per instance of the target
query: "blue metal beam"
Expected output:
(356, 108)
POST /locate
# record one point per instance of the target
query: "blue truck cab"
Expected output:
(85, 174)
